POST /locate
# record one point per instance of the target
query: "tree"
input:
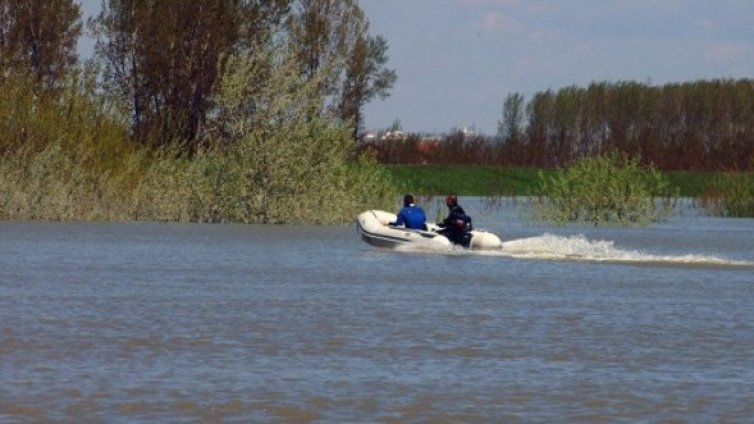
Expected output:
(509, 127)
(39, 37)
(164, 58)
(286, 164)
(539, 129)
(334, 34)
(366, 77)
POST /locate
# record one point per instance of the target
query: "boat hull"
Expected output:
(373, 228)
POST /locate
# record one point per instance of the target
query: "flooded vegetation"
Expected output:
(233, 112)
(605, 190)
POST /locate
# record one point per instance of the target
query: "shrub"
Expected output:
(66, 158)
(731, 195)
(604, 190)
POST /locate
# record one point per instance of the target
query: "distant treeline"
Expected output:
(702, 126)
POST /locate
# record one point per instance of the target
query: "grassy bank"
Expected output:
(472, 180)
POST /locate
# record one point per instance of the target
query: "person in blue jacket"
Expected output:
(411, 216)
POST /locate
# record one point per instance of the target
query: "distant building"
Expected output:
(369, 137)
(467, 132)
(395, 135)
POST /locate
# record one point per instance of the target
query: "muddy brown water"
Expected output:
(145, 322)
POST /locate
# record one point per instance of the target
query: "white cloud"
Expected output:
(497, 21)
(494, 47)
(728, 52)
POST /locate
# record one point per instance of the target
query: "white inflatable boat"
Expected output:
(373, 227)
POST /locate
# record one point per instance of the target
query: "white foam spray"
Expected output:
(579, 248)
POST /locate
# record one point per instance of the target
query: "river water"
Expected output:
(146, 322)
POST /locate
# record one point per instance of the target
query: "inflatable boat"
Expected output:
(373, 227)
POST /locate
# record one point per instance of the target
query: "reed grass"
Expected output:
(67, 159)
(213, 187)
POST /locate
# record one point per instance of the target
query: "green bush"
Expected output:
(604, 190)
(730, 195)
(66, 158)
(61, 152)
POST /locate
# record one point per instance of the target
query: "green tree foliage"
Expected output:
(75, 114)
(366, 77)
(731, 194)
(510, 127)
(511, 123)
(609, 189)
(333, 35)
(164, 58)
(38, 37)
(275, 164)
(289, 166)
(67, 156)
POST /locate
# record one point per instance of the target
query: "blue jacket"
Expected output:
(412, 216)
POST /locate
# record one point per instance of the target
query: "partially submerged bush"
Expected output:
(730, 195)
(604, 190)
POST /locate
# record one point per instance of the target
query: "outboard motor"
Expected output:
(462, 231)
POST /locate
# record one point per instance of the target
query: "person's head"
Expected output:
(451, 200)
(408, 200)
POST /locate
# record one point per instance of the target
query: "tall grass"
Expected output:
(70, 158)
(214, 186)
(604, 190)
(61, 152)
(730, 195)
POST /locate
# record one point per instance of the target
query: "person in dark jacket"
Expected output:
(411, 216)
(457, 226)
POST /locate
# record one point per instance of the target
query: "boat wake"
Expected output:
(579, 248)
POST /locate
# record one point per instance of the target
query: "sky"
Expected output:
(457, 60)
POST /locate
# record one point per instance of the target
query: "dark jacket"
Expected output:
(457, 220)
(457, 226)
(412, 216)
